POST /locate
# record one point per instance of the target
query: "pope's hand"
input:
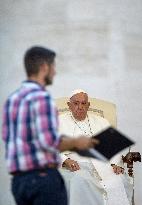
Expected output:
(117, 169)
(71, 165)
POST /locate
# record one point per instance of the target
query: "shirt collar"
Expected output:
(32, 84)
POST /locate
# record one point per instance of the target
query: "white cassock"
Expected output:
(95, 183)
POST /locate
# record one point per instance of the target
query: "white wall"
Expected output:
(99, 46)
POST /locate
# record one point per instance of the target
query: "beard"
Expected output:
(47, 80)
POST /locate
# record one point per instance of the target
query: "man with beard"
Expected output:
(90, 181)
(30, 132)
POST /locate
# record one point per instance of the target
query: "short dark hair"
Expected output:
(36, 56)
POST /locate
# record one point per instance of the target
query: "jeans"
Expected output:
(39, 188)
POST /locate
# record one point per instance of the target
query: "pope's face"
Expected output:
(79, 105)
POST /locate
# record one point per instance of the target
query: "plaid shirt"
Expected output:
(30, 128)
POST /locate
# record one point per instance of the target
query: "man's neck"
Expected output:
(37, 80)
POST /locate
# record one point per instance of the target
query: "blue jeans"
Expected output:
(39, 188)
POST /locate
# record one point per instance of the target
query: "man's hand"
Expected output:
(80, 143)
(117, 169)
(71, 165)
(83, 143)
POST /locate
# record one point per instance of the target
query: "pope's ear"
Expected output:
(68, 103)
(88, 104)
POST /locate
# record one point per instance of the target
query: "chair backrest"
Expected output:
(99, 107)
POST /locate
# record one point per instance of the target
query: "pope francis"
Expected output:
(90, 181)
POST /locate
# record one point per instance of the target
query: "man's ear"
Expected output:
(44, 67)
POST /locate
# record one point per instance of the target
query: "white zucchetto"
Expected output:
(76, 92)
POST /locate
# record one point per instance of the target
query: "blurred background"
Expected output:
(99, 49)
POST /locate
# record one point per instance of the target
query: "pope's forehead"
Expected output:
(79, 96)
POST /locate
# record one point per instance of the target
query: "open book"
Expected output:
(111, 142)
